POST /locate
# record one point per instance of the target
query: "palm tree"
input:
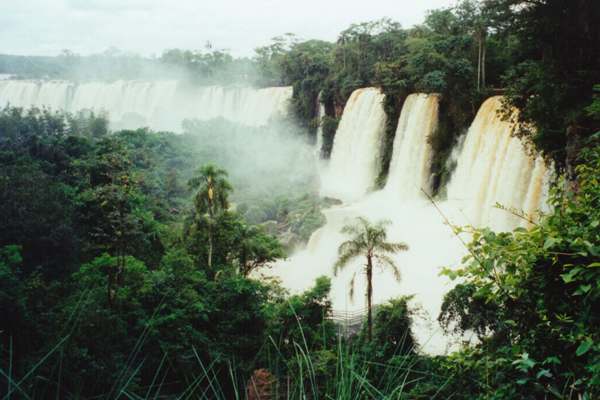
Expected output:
(211, 199)
(368, 240)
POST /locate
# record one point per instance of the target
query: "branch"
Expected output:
(473, 254)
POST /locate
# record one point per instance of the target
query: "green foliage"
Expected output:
(118, 280)
(205, 66)
(306, 65)
(445, 55)
(392, 106)
(468, 309)
(291, 219)
(92, 258)
(303, 320)
(208, 66)
(593, 110)
(235, 244)
(510, 293)
(368, 240)
(554, 71)
(328, 126)
(392, 331)
(12, 298)
(269, 58)
(213, 190)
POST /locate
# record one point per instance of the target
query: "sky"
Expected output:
(147, 27)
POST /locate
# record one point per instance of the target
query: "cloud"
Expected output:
(111, 5)
(151, 26)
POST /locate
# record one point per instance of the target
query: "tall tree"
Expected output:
(368, 240)
(212, 199)
(108, 208)
(556, 67)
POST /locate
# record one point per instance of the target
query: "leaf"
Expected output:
(544, 373)
(584, 347)
(551, 242)
(552, 360)
(524, 363)
(570, 276)
(594, 250)
(594, 265)
(583, 289)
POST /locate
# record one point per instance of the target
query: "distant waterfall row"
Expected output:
(159, 105)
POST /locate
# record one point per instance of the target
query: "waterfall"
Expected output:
(413, 219)
(355, 157)
(320, 115)
(158, 104)
(494, 166)
(411, 157)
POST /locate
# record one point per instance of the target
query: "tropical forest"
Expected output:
(404, 210)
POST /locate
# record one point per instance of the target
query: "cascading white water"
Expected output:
(355, 157)
(494, 166)
(411, 158)
(158, 104)
(319, 144)
(486, 173)
(413, 221)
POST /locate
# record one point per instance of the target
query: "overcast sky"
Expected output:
(45, 27)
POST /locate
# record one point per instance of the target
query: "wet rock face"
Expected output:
(260, 386)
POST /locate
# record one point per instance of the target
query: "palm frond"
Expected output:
(384, 223)
(389, 247)
(354, 229)
(387, 261)
(368, 240)
(346, 252)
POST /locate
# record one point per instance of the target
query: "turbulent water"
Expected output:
(356, 154)
(494, 167)
(158, 104)
(411, 158)
(491, 167)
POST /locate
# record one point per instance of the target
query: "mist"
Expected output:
(262, 162)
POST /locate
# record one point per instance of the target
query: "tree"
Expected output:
(556, 65)
(211, 200)
(269, 58)
(392, 330)
(532, 295)
(306, 66)
(368, 240)
(108, 207)
(255, 248)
